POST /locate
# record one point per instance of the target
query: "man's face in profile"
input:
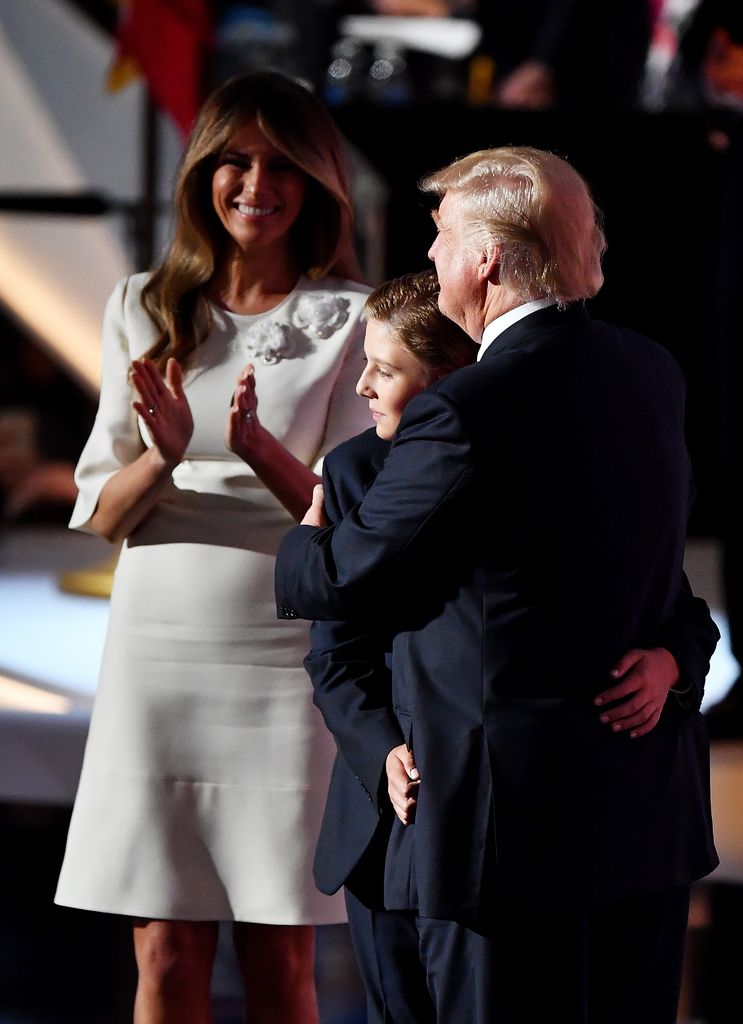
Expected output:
(456, 266)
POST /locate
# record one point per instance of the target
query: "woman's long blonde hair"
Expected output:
(298, 125)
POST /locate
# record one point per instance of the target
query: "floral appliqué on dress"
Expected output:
(321, 315)
(316, 315)
(269, 341)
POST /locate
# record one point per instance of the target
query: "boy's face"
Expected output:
(391, 377)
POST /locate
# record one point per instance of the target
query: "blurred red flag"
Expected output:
(168, 41)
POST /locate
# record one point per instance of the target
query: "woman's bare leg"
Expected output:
(175, 961)
(277, 963)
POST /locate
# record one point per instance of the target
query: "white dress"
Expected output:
(207, 764)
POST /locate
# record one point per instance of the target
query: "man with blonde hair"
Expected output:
(528, 528)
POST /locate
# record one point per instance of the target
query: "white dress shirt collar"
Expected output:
(498, 326)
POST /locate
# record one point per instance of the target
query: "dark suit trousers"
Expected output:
(385, 943)
(619, 965)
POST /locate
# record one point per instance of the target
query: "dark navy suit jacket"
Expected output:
(348, 666)
(528, 528)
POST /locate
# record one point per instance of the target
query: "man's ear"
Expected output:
(489, 267)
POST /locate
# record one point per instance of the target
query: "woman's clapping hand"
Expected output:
(164, 407)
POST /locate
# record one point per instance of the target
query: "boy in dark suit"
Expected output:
(409, 344)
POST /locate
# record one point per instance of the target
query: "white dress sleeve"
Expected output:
(348, 413)
(115, 439)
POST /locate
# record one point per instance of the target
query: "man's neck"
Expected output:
(501, 323)
(498, 301)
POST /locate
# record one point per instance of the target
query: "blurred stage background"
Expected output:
(85, 177)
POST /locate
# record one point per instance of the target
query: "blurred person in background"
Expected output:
(708, 77)
(566, 54)
(33, 489)
(45, 418)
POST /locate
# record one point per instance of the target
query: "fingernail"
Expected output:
(598, 702)
(413, 773)
(617, 727)
(633, 735)
(604, 719)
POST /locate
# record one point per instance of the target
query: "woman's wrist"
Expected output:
(255, 447)
(160, 463)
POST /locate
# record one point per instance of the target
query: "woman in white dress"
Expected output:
(207, 764)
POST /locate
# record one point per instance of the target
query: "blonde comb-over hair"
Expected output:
(538, 210)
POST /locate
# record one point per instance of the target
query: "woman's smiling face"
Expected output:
(257, 191)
